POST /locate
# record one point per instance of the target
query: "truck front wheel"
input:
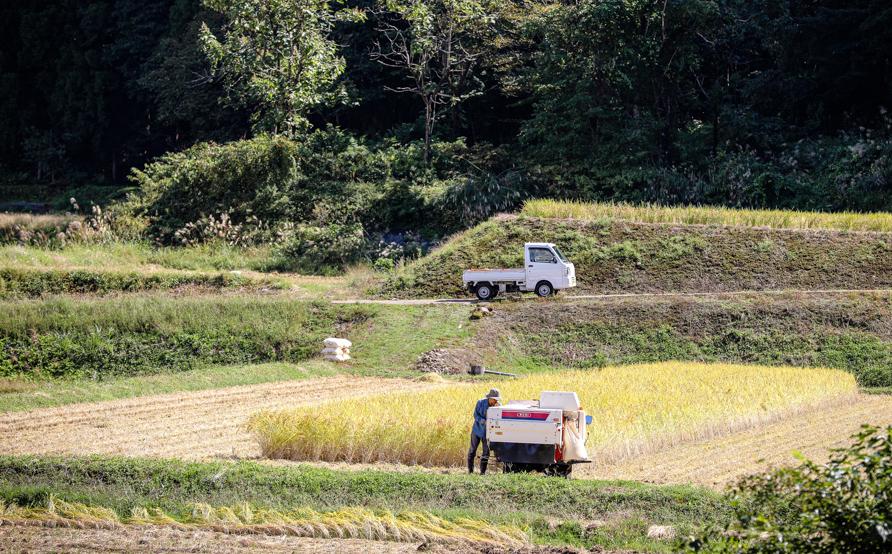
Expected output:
(544, 288)
(485, 291)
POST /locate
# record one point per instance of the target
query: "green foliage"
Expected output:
(276, 190)
(672, 107)
(437, 43)
(278, 56)
(131, 336)
(332, 248)
(757, 104)
(840, 506)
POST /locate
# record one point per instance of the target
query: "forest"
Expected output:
(428, 115)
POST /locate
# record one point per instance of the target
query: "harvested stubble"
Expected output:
(710, 215)
(636, 409)
(346, 523)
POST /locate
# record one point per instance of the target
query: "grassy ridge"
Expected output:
(133, 256)
(710, 215)
(123, 485)
(101, 268)
(130, 336)
(850, 332)
(35, 283)
(617, 257)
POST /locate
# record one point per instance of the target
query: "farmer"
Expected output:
(478, 432)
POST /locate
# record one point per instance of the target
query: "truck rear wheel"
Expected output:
(544, 288)
(485, 291)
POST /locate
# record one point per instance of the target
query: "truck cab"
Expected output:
(545, 271)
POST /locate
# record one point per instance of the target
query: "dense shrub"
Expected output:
(849, 172)
(841, 506)
(323, 177)
(323, 249)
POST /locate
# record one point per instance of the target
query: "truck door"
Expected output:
(541, 266)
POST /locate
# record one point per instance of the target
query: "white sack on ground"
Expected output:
(332, 342)
(335, 351)
(337, 357)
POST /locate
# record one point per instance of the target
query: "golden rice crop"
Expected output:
(635, 409)
(710, 215)
(348, 523)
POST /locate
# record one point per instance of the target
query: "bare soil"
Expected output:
(452, 361)
(190, 425)
(718, 462)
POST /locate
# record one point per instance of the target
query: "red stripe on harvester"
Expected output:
(524, 415)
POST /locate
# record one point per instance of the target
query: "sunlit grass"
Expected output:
(710, 215)
(635, 408)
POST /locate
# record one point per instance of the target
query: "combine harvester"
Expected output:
(547, 435)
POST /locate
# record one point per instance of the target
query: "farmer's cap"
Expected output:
(494, 393)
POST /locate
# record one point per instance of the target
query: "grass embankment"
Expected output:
(618, 257)
(710, 215)
(102, 268)
(635, 409)
(64, 350)
(851, 332)
(136, 335)
(612, 514)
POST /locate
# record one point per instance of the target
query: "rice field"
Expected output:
(710, 215)
(636, 409)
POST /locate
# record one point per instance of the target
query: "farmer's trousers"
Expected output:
(472, 453)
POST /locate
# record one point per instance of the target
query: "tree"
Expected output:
(438, 44)
(841, 506)
(277, 56)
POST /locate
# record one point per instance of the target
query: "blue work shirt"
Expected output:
(479, 429)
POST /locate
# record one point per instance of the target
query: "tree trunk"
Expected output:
(428, 130)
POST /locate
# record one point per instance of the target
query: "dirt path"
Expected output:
(718, 462)
(425, 301)
(192, 425)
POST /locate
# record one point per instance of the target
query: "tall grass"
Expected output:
(635, 409)
(710, 215)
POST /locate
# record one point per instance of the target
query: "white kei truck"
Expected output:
(545, 271)
(546, 435)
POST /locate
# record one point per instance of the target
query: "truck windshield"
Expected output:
(560, 255)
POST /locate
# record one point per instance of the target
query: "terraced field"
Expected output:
(192, 425)
(721, 461)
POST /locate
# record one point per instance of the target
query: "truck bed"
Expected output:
(494, 275)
